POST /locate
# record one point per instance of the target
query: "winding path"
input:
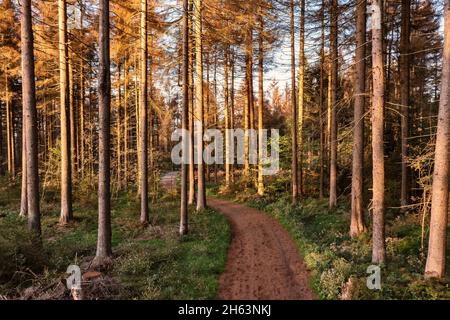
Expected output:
(263, 260)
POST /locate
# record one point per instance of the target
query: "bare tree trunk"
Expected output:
(82, 98)
(301, 89)
(247, 104)
(143, 119)
(125, 129)
(333, 100)
(201, 193)
(66, 175)
(261, 100)
(184, 225)
(294, 168)
(9, 129)
(404, 97)
(23, 193)
(322, 107)
(29, 107)
(357, 225)
(232, 108)
(227, 118)
(379, 251)
(119, 127)
(191, 199)
(104, 250)
(436, 265)
(72, 112)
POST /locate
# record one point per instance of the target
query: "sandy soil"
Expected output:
(263, 261)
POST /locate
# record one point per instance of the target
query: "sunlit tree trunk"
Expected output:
(357, 225)
(301, 98)
(82, 98)
(294, 167)
(231, 65)
(126, 128)
(321, 103)
(227, 117)
(184, 226)
(9, 129)
(191, 198)
(30, 126)
(379, 251)
(72, 112)
(201, 192)
(104, 250)
(143, 113)
(23, 193)
(435, 267)
(333, 100)
(404, 97)
(261, 100)
(66, 175)
(119, 126)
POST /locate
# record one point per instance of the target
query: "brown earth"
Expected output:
(263, 260)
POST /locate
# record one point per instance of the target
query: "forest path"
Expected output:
(263, 261)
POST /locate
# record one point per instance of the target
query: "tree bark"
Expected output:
(261, 100)
(143, 116)
(357, 226)
(294, 167)
(404, 97)
(23, 193)
(435, 267)
(322, 107)
(29, 107)
(379, 251)
(104, 250)
(333, 100)
(191, 199)
(184, 225)
(201, 192)
(227, 118)
(301, 98)
(66, 175)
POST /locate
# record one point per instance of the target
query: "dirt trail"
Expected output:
(263, 260)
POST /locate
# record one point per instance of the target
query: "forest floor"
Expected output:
(263, 260)
(336, 263)
(149, 263)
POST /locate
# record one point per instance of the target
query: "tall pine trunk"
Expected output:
(66, 179)
(333, 100)
(104, 250)
(184, 226)
(379, 251)
(261, 100)
(357, 225)
(301, 98)
(294, 167)
(435, 267)
(143, 116)
(201, 192)
(29, 107)
(404, 97)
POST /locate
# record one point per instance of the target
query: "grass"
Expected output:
(149, 263)
(338, 264)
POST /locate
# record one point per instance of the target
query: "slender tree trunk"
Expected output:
(126, 129)
(404, 97)
(191, 199)
(104, 250)
(357, 225)
(294, 168)
(301, 98)
(66, 175)
(379, 251)
(333, 100)
(231, 64)
(9, 129)
(261, 100)
(201, 194)
(82, 98)
(184, 226)
(321, 99)
(72, 112)
(436, 265)
(227, 118)
(23, 193)
(119, 127)
(29, 106)
(143, 113)
(247, 105)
